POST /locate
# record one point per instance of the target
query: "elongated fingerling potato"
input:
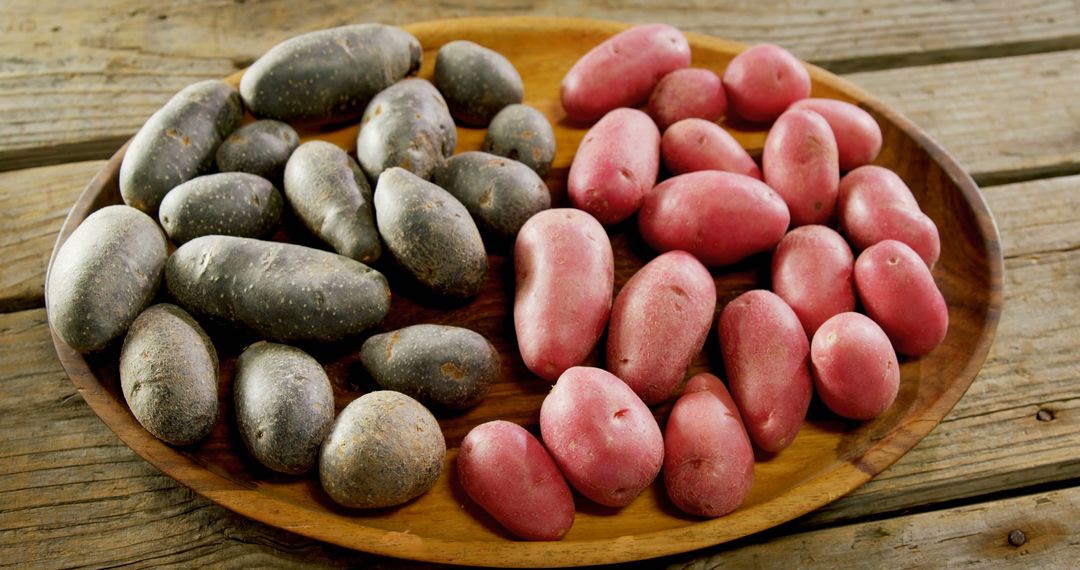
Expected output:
(226, 203)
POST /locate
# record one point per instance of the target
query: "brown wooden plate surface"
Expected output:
(829, 458)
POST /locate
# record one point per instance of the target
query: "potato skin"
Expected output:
(858, 136)
(408, 125)
(622, 71)
(261, 148)
(615, 165)
(501, 194)
(899, 293)
(328, 75)
(659, 323)
(384, 449)
(691, 145)
(876, 205)
(178, 142)
(812, 271)
(565, 273)
(430, 234)
(603, 437)
(763, 81)
(169, 375)
(439, 365)
(507, 471)
(284, 406)
(279, 291)
(477, 82)
(800, 162)
(856, 373)
(766, 356)
(687, 93)
(708, 460)
(520, 132)
(226, 203)
(116, 246)
(719, 217)
(331, 196)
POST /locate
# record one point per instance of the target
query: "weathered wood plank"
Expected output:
(33, 205)
(1040, 530)
(97, 70)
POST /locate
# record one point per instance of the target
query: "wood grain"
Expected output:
(94, 71)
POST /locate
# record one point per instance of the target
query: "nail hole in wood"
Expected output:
(1017, 537)
(1044, 415)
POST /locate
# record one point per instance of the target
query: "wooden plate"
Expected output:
(829, 458)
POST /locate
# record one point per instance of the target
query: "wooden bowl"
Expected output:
(829, 458)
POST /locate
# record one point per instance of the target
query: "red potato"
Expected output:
(766, 355)
(763, 81)
(858, 136)
(659, 323)
(719, 217)
(799, 161)
(507, 471)
(856, 373)
(687, 93)
(616, 163)
(708, 459)
(565, 273)
(623, 70)
(876, 205)
(899, 293)
(603, 437)
(812, 272)
(691, 145)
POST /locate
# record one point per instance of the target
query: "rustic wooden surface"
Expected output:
(995, 82)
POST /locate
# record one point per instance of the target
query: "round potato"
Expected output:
(521, 133)
(261, 148)
(856, 373)
(691, 145)
(227, 203)
(384, 449)
(406, 125)
(169, 375)
(103, 276)
(812, 271)
(763, 81)
(500, 193)
(284, 406)
(687, 93)
(477, 82)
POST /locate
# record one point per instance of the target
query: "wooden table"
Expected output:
(997, 82)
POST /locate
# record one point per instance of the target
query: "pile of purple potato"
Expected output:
(841, 232)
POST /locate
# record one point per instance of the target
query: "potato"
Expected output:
(331, 196)
(261, 148)
(520, 132)
(477, 82)
(328, 75)
(708, 459)
(103, 276)
(384, 449)
(658, 324)
(227, 203)
(284, 406)
(622, 71)
(565, 272)
(899, 293)
(876, 205)
(430, 234)
(408, 125)
(691, 145)
(507, 471)
(501, 194)
(719, 217)
(169, 375)
(178, 142)
(687, 93)
(766, 356)
(603, 437)
(858, 136)
(856, 373)
(812, 272)
(800, 162)
(615, 165)
(279, 291)
(763, 81)
(439, 365)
